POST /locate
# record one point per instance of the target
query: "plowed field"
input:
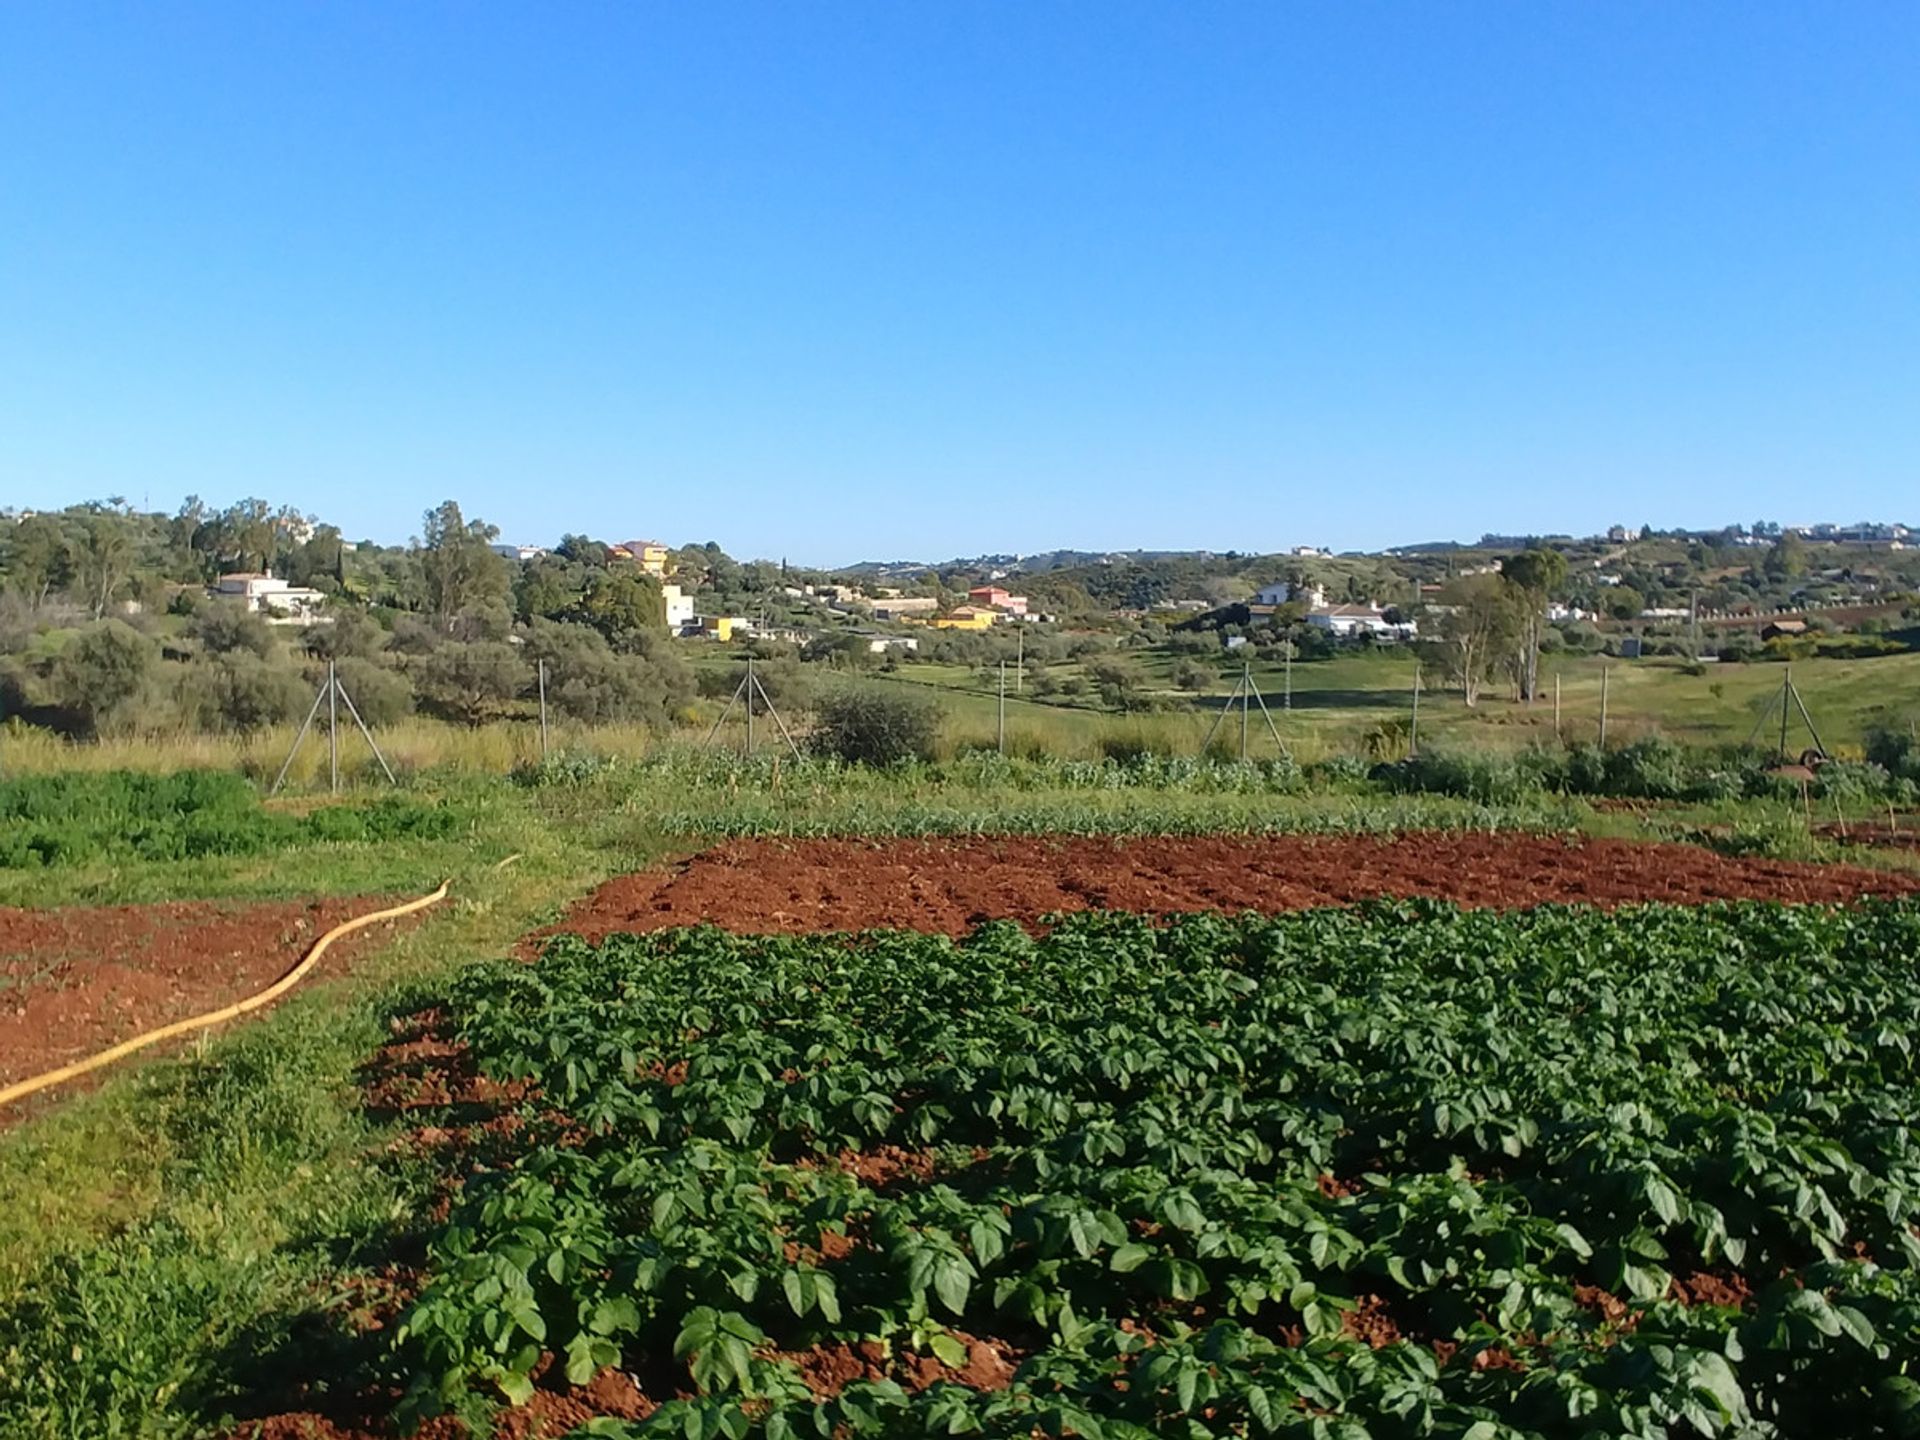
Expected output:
(948, 886)
(78, 979)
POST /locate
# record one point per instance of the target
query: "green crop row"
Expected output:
(1398, 1171)
(72, 819)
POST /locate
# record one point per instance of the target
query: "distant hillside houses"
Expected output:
(1315, 596)
(1346, 622)
(273, 599)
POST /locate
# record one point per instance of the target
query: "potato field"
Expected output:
(1400, 1170)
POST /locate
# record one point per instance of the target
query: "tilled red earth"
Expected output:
(948, 886)
(75, 980)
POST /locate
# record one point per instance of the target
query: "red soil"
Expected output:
(948, 886)
(76, 980)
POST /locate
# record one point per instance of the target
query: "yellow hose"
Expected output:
(273, 992)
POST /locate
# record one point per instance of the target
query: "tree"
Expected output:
(1119, 682)
(1190, 675)
(626, 606)
(1481, 623)
(549, 587)
(38, 559)
(876, 725)
(462, 572)
(1787, 558)
(102, 672)
(242, 535)
(102, 561)
(472, 683)
(225, 626)
(1623, 602)
(1536, 574)
(241, 691)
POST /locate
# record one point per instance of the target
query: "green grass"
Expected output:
(158, 1233)
(162, 1232)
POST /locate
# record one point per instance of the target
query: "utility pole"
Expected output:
(1605, 670)
(1019, 660)
(1246, 687)
(1286, 702)
(1003, 708)
(1413, 729)
(1786, 692)
(751, 686)
(1556, 704)
(543, 711)
(333, 731)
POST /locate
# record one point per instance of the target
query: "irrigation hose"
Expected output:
(22, 1089)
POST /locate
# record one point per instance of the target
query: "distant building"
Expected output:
(1283, 594)
(880, 644)
(650, 555)
(263, 595)
(905, 607)
(992, 597)
(1782, 630)
(968, 617)
(1346, 621)
(522, 553)
(723, 627)
(679, 608)
(1623, 534)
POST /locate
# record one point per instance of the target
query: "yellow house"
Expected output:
(967, 617)
(722, 627)
(653, 557)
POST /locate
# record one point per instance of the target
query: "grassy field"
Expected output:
(196, 1212)
(1357, 704)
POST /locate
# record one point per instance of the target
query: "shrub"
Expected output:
(382, 696)
(102, 673)
(225, 626)
(472, 682)
(240, 691)
(875, 725)
(350, 632)
(1651, 769)
(1190, 676)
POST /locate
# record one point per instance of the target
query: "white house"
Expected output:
(679, 608)
(1345, 621)
(265, 595)
(880, 644)
(522, 553)
(1283, 594)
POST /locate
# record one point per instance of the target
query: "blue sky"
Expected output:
(854, 281)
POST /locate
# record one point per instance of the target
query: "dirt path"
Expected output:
(948, 886)
(76, 980)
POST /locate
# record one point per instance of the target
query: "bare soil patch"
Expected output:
(75, 980)
(949, 886)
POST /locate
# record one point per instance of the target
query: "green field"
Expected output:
(168, 1237)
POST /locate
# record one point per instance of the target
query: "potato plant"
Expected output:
(1397, 1171)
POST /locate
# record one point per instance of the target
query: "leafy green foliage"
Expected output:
(1116, 1148)
(875, 725)
(74, 818)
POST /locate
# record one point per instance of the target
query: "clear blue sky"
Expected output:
(878, 280)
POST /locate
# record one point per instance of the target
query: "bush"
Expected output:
(240, 691)
(1192, 677)
(382, 696)
(350, 632)
(472, 682)
(875, 725)
(102, 673)
(225, 626)
(1649, 769)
